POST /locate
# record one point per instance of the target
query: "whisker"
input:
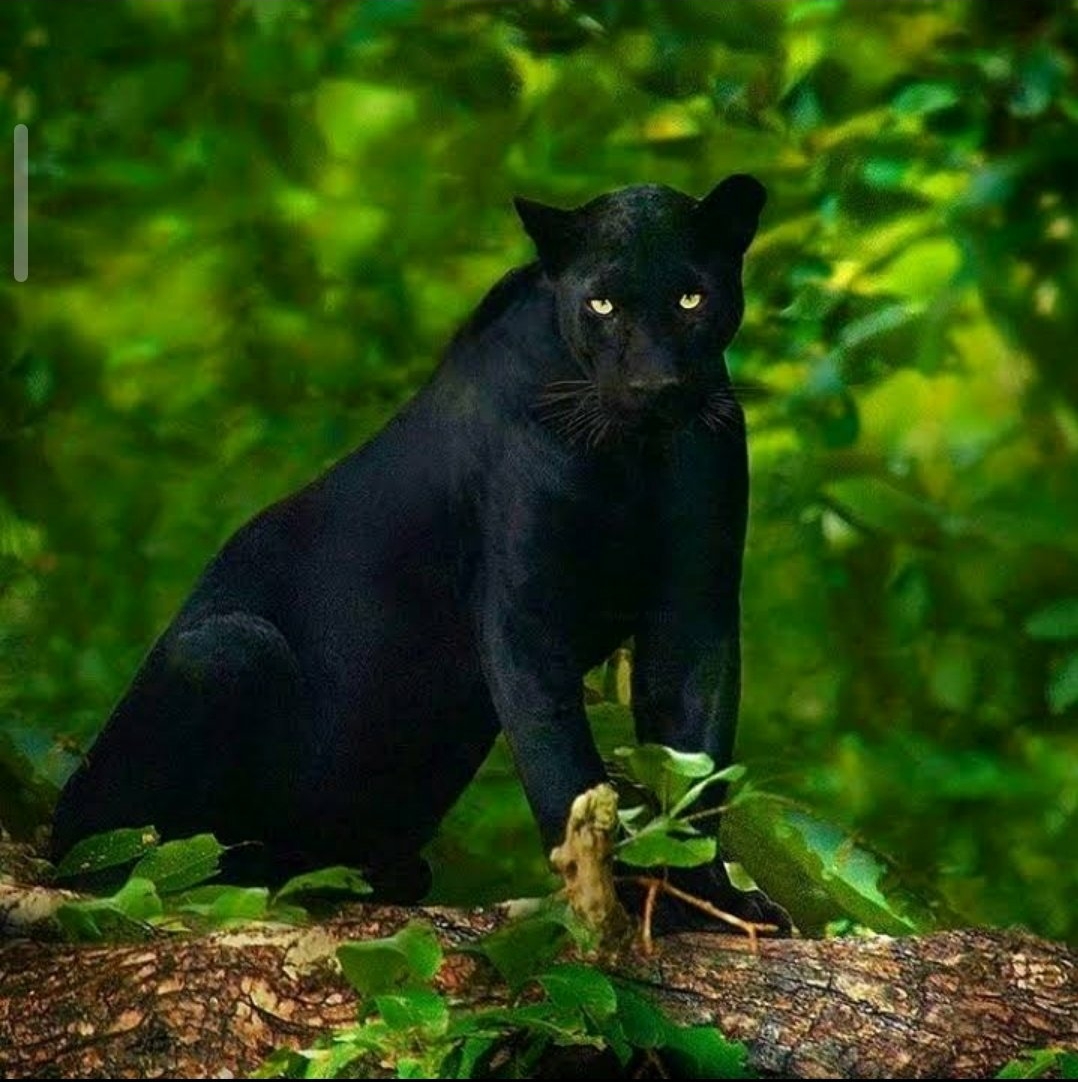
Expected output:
(585, 419)
(575, 411)
(722, 414)
(751, 390)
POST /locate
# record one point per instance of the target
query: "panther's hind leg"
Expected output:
(207, 738)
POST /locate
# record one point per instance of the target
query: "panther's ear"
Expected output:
(555, 232)
(728, 215)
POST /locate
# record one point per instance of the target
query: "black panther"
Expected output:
(573, 474)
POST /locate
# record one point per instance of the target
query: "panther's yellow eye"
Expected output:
(689, 301)
(601, 306)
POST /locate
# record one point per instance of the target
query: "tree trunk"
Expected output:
(951, 1004)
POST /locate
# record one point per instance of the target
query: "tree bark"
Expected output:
(954, 1004)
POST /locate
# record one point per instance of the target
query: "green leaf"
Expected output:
(472, 1051)
(221, 902)
(522, 948)
(178, 865)
(1035, 1063)
(884, 172)
(281, 1063)
(651, 848)
(874, 503)
(732, 773)
(952, 676)
(880, 321)
(137, 899)
(95, 919)
(406, 959)
(643, 1024)
(108, 850)
(1063, 686)
(663, 771)
(1056, 621)
(338, 879)
(575, 987)
(917, 99)
(703, 1052)
(415, 1008)
(821, 873)
(331, 1062)
(240, 903)
(1041, 76)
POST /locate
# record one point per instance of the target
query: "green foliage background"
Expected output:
(254, 223)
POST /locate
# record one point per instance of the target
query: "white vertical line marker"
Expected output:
(21, 260)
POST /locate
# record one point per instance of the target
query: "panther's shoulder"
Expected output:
(516, 285)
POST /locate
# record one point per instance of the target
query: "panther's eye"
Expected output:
(688, 301)
(601, 306)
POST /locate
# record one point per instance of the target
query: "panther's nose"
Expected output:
(653, 393)
(650, 386)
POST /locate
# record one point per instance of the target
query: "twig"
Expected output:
(649, 912)
(653, 886)
(705, 814)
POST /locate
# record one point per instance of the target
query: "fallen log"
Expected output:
(952, 1004)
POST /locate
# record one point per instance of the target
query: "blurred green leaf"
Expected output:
(877, 504)
(1063, 685)
(1058, 620)
(953, 676)
(916, 99)
(1040, 78)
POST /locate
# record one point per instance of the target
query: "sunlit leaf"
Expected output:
(177, 865)
(663, 771)
(415, 1008)
(239, 904)
(655, 848)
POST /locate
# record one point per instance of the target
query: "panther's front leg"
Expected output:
(687, 671)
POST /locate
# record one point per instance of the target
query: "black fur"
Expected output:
(565, 480)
